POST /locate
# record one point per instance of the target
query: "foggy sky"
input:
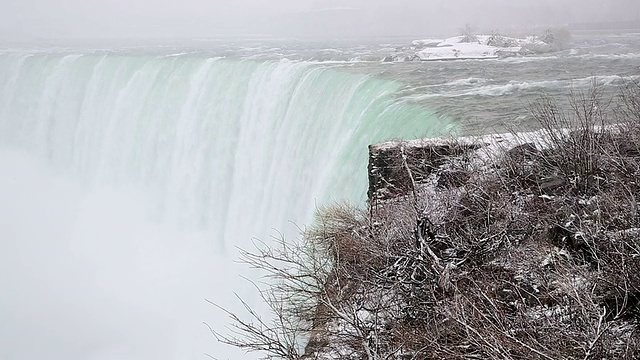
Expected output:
(23, 19)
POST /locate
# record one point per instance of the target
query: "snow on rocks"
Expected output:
(471, 47)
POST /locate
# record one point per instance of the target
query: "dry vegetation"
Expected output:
(531, 252)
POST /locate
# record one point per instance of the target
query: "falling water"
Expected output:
(128, 181)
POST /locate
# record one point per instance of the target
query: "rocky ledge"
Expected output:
(501, 247)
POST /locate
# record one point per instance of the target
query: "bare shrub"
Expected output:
(630, 102)
(534, 255)
(557, 38)
(468, 34)
(574, 142)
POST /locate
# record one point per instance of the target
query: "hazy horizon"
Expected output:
(170, 19)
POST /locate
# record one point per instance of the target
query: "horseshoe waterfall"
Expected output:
(129, 181)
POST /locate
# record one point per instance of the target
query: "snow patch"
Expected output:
(474, 47)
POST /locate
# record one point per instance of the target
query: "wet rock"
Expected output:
(388, 58)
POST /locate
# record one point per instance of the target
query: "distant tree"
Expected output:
(468, 34)
(557, 38)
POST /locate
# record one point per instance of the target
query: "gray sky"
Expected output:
(213, 18)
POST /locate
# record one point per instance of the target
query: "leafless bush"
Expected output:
(630, 102)
(468, 34)
(534, 254)
(576, 142)
(557, 39)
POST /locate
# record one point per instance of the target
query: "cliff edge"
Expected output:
(502, 247)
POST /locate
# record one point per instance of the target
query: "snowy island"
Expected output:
(494, 46)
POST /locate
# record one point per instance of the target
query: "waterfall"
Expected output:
(132, 179)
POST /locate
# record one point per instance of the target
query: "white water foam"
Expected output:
(516, 86)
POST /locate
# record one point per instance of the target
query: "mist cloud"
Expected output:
(200, 18)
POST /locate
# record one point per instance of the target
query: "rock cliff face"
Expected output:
(389, 161)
